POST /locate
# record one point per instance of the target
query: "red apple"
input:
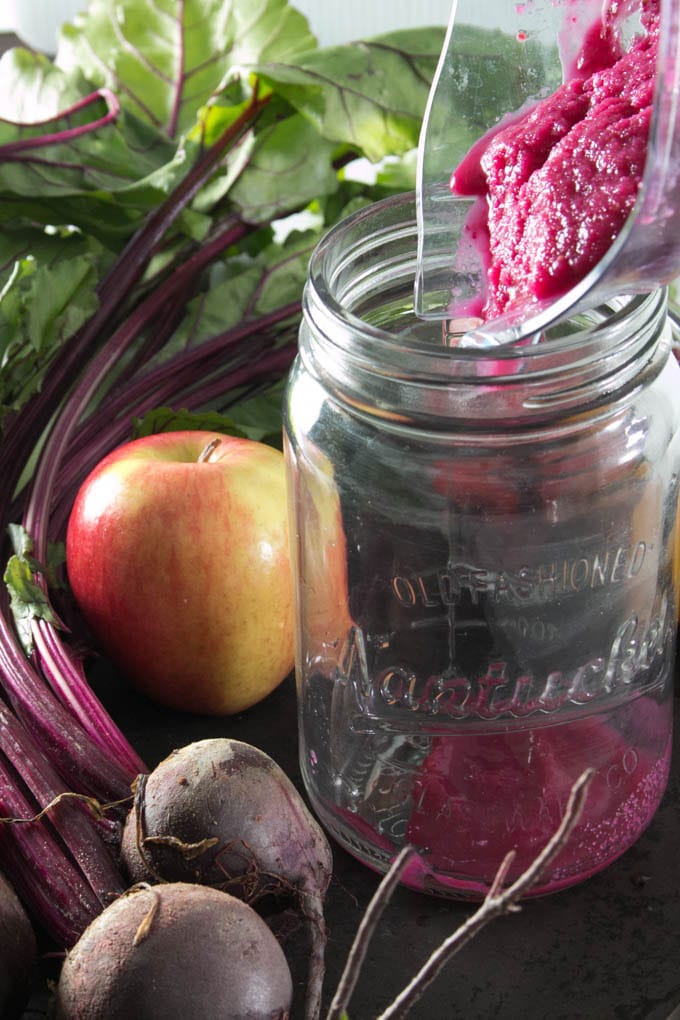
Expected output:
(177, 554)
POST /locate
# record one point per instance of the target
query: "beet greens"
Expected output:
(143, 267)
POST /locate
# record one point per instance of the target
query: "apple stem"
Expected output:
(208, 450)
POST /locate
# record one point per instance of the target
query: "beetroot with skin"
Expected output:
(175, 951)
(17, 953)
(223, 813)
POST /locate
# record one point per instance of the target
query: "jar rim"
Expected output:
(361, 335)
(566, 334)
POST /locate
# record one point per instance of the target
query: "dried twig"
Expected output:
(496, 903)
(369, 922)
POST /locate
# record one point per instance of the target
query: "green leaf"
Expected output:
(94, 142)
(370, 95)
(47, 101)
(165, 60)
(47, 291)
(255, 419)
(243, 287)
(33, 91)
(284, 271)
(289, 167)
(22, 543)
(28, 601)
(224, 303)
(68, 155)
(167, 419)
(260, 417)
(398, 173)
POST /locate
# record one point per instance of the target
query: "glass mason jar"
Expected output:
(485, 546)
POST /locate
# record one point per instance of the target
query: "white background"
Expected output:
(37, 21)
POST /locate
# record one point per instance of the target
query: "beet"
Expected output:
(223, 813)
(17, 953)
(175, 950)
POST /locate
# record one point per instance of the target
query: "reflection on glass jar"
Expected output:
(485, 546)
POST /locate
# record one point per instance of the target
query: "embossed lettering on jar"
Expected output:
(484, 544)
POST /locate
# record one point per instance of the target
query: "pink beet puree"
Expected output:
(476, 796)
(525, 779)
(558, 183)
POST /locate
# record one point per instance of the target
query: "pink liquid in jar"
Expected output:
(475, 796)
(524, 779)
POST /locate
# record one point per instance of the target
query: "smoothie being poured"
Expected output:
(485, 537)
(557, 183)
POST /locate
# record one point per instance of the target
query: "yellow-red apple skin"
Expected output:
(181, 568)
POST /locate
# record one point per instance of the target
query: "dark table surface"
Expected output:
(609, 948)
